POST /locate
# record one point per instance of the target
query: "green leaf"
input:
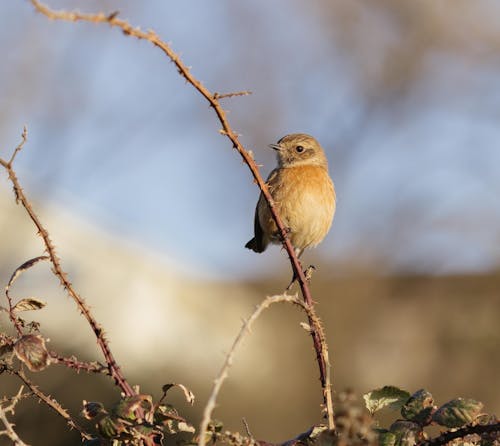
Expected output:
(458, 412)
(30, 303)
(111, 427)
(107, 427)
(387, 396)
(419, 408)
(407, 433)
(215, 426)
(386, 438)
(127, 406)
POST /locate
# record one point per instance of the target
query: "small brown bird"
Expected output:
(303, 194)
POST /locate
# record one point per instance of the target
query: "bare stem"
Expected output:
(75, 364)
(245, 329)
(114, 369)
(9, 427)
(51, 402)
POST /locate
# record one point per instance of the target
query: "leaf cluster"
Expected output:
(462, 418)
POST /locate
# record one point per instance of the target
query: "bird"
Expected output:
(303, 195)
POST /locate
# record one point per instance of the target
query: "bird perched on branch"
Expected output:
(303, 195)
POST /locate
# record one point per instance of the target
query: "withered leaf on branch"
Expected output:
(31, 350)
(187, 393)
(93, 409)
(29, 303)
(6, 348)
(26, 265)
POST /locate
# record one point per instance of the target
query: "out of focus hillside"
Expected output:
(164, 325)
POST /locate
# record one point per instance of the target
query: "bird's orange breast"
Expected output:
(304, 196)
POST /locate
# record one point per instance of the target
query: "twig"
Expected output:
(247, 428)
(246, 328)
(25, 266)
(51, 402)
(73, 363)
(151, 36)
(231, 95)
(9, 427)
(448, 436)
(114, 369)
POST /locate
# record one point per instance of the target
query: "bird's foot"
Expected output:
(309, 272)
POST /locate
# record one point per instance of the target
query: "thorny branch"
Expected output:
(51, 402)
(113, 367)
(477, 429)
(245, 329)
(79, 366)
(213, 100)
(231, 95)
(9, 427)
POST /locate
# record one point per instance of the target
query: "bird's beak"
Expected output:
(275, 147)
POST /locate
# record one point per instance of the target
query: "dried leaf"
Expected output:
(187, 393)
(387, 396)
(182, 426)
(31, 350)
(306, 327)
(26, 265)
(30, 303)
(6, 348)
(165, 414)
(92, 409)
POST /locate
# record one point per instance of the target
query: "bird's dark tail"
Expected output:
(255, 246)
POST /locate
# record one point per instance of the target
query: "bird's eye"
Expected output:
(299, 149)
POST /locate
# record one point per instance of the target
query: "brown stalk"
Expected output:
(113, 21)
(51, 402)
(245, 329)
(79, 366)
(114, 369)
(9, 406)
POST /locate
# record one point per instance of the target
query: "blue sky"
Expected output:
(117, 135)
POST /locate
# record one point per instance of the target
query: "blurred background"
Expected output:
(150, 208)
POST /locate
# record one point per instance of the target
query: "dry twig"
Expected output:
(9, 427)
(79, 366)
(245, 329)
(51, 402)
(231, 95)
(114, 369)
